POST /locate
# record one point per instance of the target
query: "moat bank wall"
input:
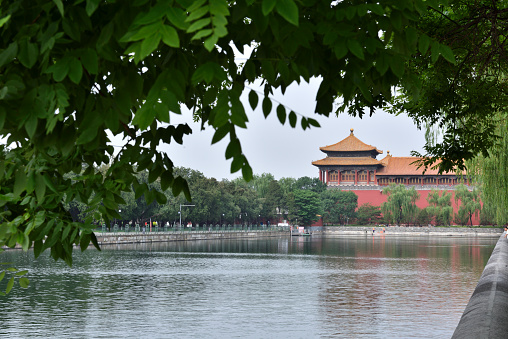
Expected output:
(486, 314)
(410, 231)
(130, 238)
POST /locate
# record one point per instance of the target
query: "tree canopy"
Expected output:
(74, 74)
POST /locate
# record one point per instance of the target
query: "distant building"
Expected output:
(351, 164)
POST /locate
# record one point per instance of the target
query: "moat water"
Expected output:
(289, 287)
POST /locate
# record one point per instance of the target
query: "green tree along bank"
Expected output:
(74, 73)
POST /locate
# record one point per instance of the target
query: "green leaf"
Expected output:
(49, 183)
(28, 53)
(267, 106)
(281, 114)
(24, 282)
(411, 38)
(25, 244)
(60, 6)
(268, 6)
(197, 25)
(87, 135)
(220, 133)
(355, 48)
(89, 60)
(160, 198)
(247, 172)
(66, 231)
(447, 53)
(2, 121)
(435, 51)
(4, 20)
(313, 122)
(177, 17)
(197, 14)
(60, 69)
(8, 54)
(149, 45)
(288, 10)
(84, 241)
(253, 99)
(19, 182)
(423, 44)
(397, 66)
(170, 36)
(304, 123)
(75, 70)
(166, 179)
(94, 241)
(208, 72)
(21, 273)
(292, 119)
(37, 248)
(237, 163)
(10, 284)
(178, 185)
(201, 34)
(2, 275)
(31, 126)
(91, 6)
(144, 116)
(340, 49)
(234, 149)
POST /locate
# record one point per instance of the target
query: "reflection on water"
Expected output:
(299, 287)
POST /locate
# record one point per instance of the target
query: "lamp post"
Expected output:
(180, 212)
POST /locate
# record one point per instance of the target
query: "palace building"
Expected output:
(351, 164)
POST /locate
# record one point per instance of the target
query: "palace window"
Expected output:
(347, 176)
(362, 176)
(333, 175)
(445, 181)
(429, 181)
(383, 181)
(399, 180)
(414, 181)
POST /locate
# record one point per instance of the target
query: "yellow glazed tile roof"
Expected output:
(344, 161)
(349, 144)
(405, 166)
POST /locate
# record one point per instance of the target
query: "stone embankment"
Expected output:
(486, 314)
(139, 237)
(410, 231)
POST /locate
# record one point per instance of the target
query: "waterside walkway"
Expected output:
(186, 234)
(410, 231)
(486, 314)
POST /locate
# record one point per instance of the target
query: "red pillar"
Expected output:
(368, 177)
(327, 176)
(356, 177)
(375, 177)
(320, 175)
(338, 177)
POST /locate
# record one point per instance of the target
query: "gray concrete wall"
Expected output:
(486, 314)
(138, 237)
(412, 231)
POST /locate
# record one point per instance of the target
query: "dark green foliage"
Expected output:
(308, 207)
(368, 214)
(400, 204)
(469, 204)
(339, 206)
(75, 73)
(440, 208)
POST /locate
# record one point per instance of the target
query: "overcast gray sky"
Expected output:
(287, 152)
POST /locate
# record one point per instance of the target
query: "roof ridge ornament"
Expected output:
(352, 130)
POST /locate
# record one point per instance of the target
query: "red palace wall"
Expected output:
(376, 198)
